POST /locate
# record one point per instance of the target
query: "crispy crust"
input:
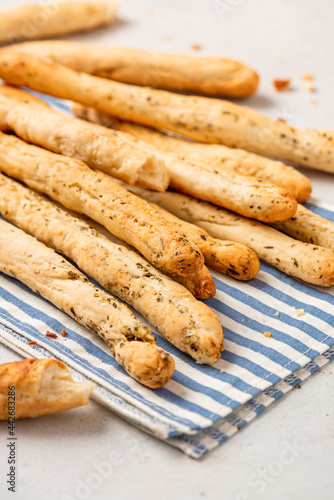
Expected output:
(213, 76)
(310, 228)
(77, 187)
(55, 279)
(201, 284)
(226, 257)
(168, 306)
(42, 386)
(115, 153)
(310, 263)
(199, 118)
(216, 157)
(31, 22)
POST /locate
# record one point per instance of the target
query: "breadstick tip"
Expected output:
(147, 363)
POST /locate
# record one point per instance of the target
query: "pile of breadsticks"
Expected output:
(149, 210)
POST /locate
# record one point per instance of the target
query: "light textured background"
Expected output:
(90, 453)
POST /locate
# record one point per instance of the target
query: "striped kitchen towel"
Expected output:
(201, 406)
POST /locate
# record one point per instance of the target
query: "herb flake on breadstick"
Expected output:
(207, 75)
(77, 187)
(199, 118)
(217, 158)
(185, 322)
(34, 21)
(116, 153)
(55, 279)
(42, 386)
(310, 263)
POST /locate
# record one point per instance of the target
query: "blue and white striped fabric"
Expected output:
(202, 406)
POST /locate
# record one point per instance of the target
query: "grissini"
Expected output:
(199, 118)
(226, 256)
(215, 76)
(310, 263)
(34, 21)
(242, 194)
(55, 279)
(216, 157)
(77, 187)
(309, 227)
(187, 323)
(41, 387)
(245, 195)
(116, 153)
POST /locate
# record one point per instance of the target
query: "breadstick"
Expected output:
(216, 157)
(227, 257)
(245, 195)
(214, 76)
(188, 324)
(55, 279)
(31, 22)
(41, 387)
(116, 153)
(77, 187)
(199, 118)
(310, 263)
(309, 227)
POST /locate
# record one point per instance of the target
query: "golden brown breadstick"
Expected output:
(77, 187)
(41, 387)
(227, 257)
(310, 263)
(216, 157)
(187, 323)
(199, 118)
(309, 227)
(116, 153)
(55, 279)
(206, 75)
(34, 21)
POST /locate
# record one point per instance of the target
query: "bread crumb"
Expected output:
(63, 333)
(308, 78)
(299, 312)
(329, 373)
(314, 102)
(51, 335)
(196, 46)
(243, 320)
(267, 334)
(276, 313)
(281, 85)
(309, 85)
